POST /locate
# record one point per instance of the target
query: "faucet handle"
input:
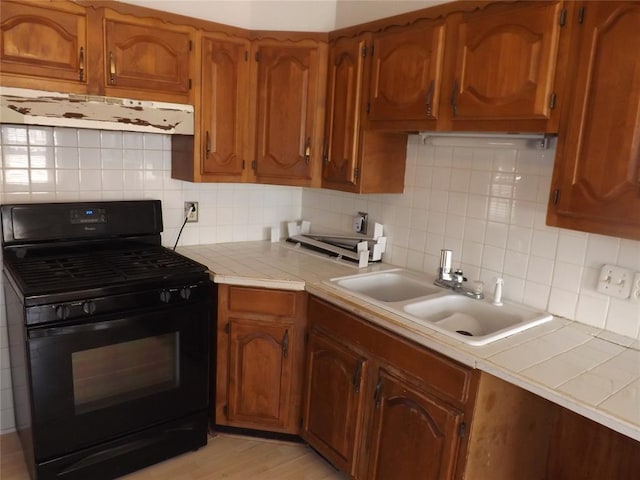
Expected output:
(459, 276)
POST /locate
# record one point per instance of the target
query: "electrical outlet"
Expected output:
(193, 215)
(615, 281)
(635, 288)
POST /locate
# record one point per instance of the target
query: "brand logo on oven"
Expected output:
(89, 229)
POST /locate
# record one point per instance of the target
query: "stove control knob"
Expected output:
(165, 296)
(62, 312)
(89, 307)
(185, 293)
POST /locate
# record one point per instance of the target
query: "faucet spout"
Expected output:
(453, 280)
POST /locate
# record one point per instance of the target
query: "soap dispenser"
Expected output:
(497, 292)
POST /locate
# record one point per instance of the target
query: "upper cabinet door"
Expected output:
(343, 116)
(224, 104)
(289, 112)
(407, 72)
(45, 45)
(596, 184)
(148, 58)
(505, 62)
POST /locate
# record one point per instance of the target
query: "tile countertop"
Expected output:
(590, 371)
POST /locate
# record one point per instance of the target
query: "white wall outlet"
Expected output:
(192, 215)
(635, 288)
(615, 281)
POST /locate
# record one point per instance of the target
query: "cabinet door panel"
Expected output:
(260, 372)
(333, 396)
(43, 42)
(224, 102)
(413, 435)
(287, 83)
(597, 184)
(506, 63)
(346, 69)
(146, 57)
(406, 77)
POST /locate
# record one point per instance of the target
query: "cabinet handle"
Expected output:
(112, 69)
(454, 98)
(81, 64)
(429, 97)
(307, 151)
(325, 153)
(356, 377)
(207, 144)
(285, 344)
(377, 392)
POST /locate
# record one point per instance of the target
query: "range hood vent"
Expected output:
(36, 107)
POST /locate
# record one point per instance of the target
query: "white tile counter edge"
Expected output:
(475, 357)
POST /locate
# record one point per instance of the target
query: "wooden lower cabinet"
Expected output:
(332, 415)
(380, 407)
(413, 434)
(260, 341)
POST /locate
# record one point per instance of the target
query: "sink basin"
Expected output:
(475, 322)
(395, 285)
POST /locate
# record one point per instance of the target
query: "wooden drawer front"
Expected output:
(441, 375)
(262, 301)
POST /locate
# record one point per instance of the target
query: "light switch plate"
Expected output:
(615, 281)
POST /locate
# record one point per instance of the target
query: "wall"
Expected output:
(488, 205)
(294, 15)
(44, 164)
(350, 12)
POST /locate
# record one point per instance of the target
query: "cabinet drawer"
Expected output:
(265, 302)
(443, 376)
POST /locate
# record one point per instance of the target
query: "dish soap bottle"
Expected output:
(497, 292)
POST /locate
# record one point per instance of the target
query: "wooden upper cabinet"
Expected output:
(357, 159)
(596, 181)
(290, 79)
(147, 58)
(44, 46)
(505, 66)
(407, 73)
(413, 434)
(333, 399)
(224, 108)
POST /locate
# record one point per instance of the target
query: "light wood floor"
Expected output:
(226, 457)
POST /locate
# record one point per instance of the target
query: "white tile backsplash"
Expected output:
(489, 206)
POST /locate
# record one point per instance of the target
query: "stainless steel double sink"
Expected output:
(415, 298)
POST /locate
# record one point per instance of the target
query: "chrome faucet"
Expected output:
(453, 280)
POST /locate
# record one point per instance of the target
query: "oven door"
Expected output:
(95, 381)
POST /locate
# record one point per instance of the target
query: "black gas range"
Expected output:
(109, 338)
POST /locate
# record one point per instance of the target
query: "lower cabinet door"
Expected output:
(260, 370)
(332, 400)
(413, 435)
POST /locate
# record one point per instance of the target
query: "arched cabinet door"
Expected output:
(44, 45)
(289, 111)
(413, 435)
(145, 55)
(333, 399)
(505, 63)
(596, 182)
(224, 107)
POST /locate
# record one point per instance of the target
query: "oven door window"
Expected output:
(122, 372)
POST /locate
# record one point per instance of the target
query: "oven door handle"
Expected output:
(57, 330)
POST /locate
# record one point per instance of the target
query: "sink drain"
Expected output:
(464, 332)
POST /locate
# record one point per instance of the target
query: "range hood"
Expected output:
(36, 107)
